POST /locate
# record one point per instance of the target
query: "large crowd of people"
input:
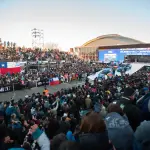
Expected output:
(66, 72)
(110, 114)
(70, 69)
(26, 54)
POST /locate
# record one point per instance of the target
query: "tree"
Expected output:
(4, 43)
(14, 45)
(51, 46)
(0, 43)
(8, 44)
(11, 44)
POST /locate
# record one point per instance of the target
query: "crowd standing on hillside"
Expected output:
(111, 114)
(23, 54)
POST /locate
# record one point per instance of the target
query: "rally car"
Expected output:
(104, 72)
(124, 67)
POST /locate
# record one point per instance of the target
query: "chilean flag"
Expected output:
(9, 67)
(54, 81)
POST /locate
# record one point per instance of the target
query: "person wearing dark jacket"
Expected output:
(144, 105)
(53, 126)
(132, 112)
(69, 145)
(64, 126)
(2, 136)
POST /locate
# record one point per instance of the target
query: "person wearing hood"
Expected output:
(119, 130)
(88, 102)
(93, 133)
(142, 136)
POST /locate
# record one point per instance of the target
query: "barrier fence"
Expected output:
(10, 87)
(19, 86)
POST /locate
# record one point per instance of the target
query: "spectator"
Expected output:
(133, 113)
(142, 136)
(88, 102)
(118, 126)
(67, 145)
(93, 133)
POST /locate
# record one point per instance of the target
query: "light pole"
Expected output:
(37, 38)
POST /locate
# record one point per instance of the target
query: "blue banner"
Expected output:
(119, 54)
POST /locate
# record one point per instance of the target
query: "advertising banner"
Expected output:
(5, 89)
(109, 55)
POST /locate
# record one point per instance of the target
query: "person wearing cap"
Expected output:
(146, 90)
(128, 96)
(133, 113)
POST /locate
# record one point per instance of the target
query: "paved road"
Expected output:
(22, 93)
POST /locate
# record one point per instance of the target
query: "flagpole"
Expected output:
(13, 87)
(13, 91)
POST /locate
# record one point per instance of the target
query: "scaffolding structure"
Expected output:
(37, 38)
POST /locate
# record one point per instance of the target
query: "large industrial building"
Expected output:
(91, 49)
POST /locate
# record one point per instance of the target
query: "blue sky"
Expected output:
(71, 23)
